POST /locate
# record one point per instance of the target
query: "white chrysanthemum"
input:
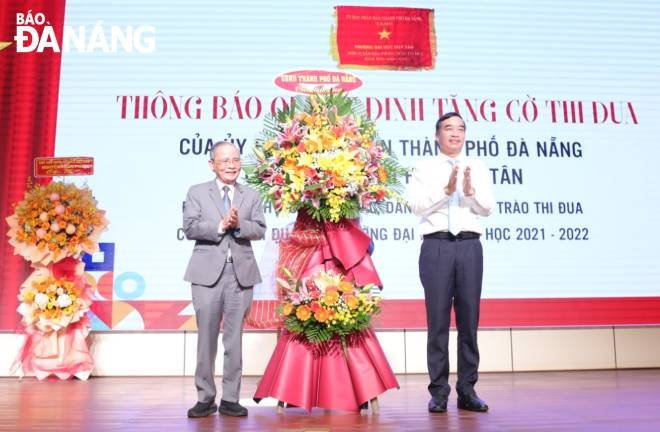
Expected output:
(63, 301)
(41, 300)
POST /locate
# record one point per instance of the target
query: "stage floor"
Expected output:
(624, 400)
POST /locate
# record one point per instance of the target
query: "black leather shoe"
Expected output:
(233, 409)
(202, 409)
(471, 402)
(438, 404)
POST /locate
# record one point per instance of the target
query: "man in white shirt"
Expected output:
(449, 193)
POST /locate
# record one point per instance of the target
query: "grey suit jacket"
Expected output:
(202, 214)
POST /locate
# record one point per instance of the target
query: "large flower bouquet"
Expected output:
(326, 305)
(322, 155)
(55, 221)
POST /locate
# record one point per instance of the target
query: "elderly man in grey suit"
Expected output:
(223, 217)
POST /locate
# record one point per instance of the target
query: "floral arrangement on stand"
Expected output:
(55, 221)
(326, 305)
(52, 227)
(322, 155)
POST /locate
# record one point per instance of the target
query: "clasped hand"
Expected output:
(230, 220)
(468, 190)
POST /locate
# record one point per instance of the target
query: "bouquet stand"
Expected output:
(331, 374)
(52, 228)
(320, 157)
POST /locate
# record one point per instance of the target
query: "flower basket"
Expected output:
(55, 221)
(321, 158)
(327, 305)
(52, 227)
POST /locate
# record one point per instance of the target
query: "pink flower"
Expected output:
(311, 285)
(349, 125)
(278, 179)
(295, 298)
(376, 152)
(267, 175)
(365, 199)
(54, 196)
(338, 131)
(290, 136)
(59, 209)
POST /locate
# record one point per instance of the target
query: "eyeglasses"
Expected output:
(227, 161)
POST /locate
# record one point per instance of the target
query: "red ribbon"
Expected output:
(66, 268)
(343, 247)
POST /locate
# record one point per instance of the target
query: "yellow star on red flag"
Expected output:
(384, 34)
(4, 45)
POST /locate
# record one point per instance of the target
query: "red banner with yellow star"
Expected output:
(384, 37)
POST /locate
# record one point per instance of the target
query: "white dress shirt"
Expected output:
(427, 198)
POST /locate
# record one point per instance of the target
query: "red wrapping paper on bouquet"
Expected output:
(326, 375)
(342, 247)
(55, 344)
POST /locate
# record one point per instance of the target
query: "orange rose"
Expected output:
(287, 308)
(303, 313)
(322, 315)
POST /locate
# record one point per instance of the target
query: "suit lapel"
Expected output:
(214, 194)
(238, 196)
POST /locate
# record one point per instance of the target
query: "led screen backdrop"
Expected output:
(560, 101)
